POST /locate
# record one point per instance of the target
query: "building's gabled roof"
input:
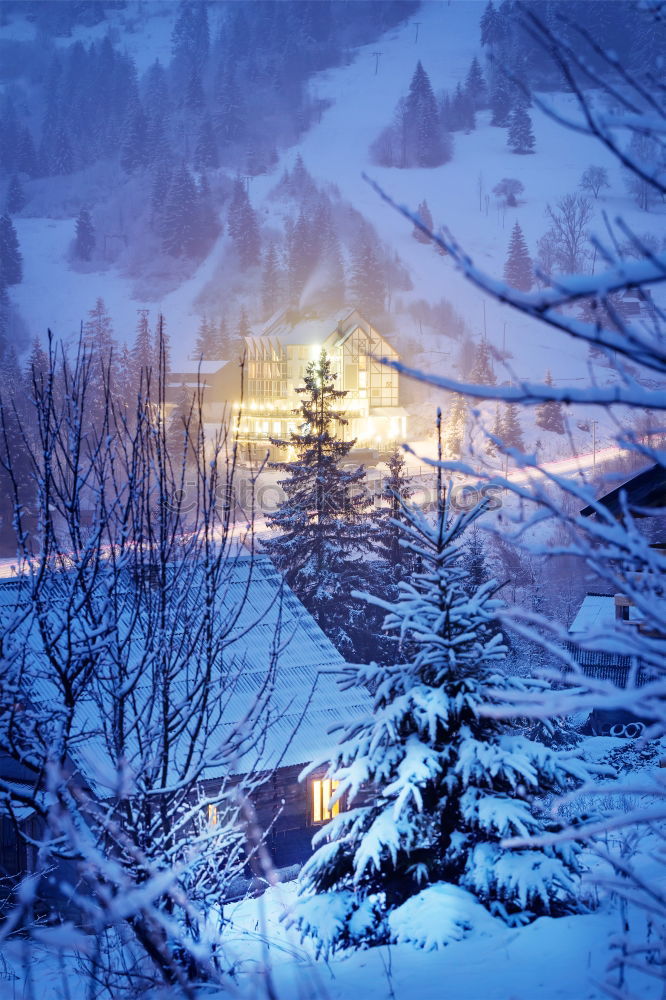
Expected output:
(644, 493)
(309, 328)
(299, 668)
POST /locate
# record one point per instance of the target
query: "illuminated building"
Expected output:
(278, 356)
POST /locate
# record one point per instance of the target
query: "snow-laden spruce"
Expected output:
(323, 532)
(429, 786)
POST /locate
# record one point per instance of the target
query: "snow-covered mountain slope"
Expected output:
(362, 96)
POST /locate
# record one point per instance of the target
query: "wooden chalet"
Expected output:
(305, 703)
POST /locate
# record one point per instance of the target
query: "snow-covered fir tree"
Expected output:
(475, 86)
(367, 278)
(205, 151)
(143, 355)
(492, 446)
(101, 348)
(462, 111)
(134, 151)
(501, 101)
(425, 216)
(85, 239)
(395, 493)
(456, 426)
(11, 258)
(429, 786)
(512, 432)
(549, 414)
(423, 134)
(180, 216)
(205, 343)
(243, 226)
(482, 369)
(37, 366)
(15, 196)
(331, 288)
(221, 340)
(473, 559)
(270, 281)
(323, 529)
(518, 270)
(520, 137)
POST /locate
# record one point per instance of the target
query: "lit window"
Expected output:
(322, 790)
(212, 815)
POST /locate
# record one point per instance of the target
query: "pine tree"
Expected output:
(161, 348)
(322, 525)
(100, 346)
(157, 147)
(160, 189)
(425, 216)
(61, 158)
(125, 389)
(367, 279)
(270, 281)
(134, 153)
(221, 341)
(520, 138)
(205, 150)
(85, 240)
(205, 345)
(195, 99)
(473, 560)
(424, 137)
(490, 21)
(549, 415)
(482, 370)
(208, 224)
(11, 258)
(15, 196)
(331, 291)
(518, 270)
(142, 354)
(243, 227)
(179, 225)
(37, 367)
(26, 155)
(234, 347)
(512, 432)
(456, 426)
(431, 785)
(462, 111)
(183, 427)
(190, 40)
(492, 448)
(475, 86)
(395, 494)
(302, 251)
(501, 101)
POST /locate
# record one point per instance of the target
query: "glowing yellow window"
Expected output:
(212, 815)
(322, 790)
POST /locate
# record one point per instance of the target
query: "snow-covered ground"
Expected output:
(563, 959)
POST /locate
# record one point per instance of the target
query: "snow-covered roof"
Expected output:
(191, 368)
(299, 670)
(644, 492)
(308, 328)
(596, 613)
